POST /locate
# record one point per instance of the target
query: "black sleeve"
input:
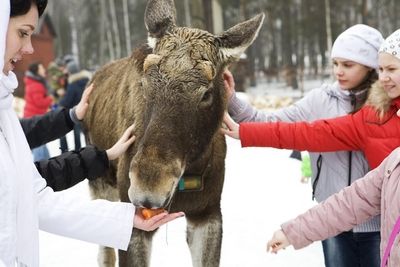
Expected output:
(72, 167)
(42, 129)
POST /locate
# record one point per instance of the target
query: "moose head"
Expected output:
(183, 93)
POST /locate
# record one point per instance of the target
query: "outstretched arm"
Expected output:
(242, 111)
(42, 129)
(340, 212)
(72, 167)
(340, 133)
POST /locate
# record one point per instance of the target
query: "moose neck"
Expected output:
(200, 163)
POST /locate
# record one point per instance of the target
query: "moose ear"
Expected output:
(234, 41)
(160, 15)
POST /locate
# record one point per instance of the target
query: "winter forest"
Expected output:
(294, 42)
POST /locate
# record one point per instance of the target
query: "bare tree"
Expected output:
(328, 26)
(127, 27)
(103, 35)
(188, 20)
(208, 15)
(114, 23)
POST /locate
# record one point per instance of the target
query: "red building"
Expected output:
(43, 43)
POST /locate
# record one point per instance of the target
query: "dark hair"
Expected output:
(21, 7)
(366, 84)
(34, 67)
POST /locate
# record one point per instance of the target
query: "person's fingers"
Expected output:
(226, 84)
(227, 74)
(276, 247)
(228, 121)
(87, 92)
(90, 88)
(128, 133)
(225, 131)
(270, 247)
(168, 218)
(126, 144)
(131, 140)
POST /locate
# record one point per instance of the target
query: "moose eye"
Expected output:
(206, 99)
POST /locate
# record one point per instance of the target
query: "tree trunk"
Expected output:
(287, 49)
(127, 28)
(188, 20)
(328, 27)
(114, 23)
(364, 11)
(102, 40)
(74, 35)
(208, 15)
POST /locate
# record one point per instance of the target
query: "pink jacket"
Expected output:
(377, 193)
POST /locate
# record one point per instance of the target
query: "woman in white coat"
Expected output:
(26, 204)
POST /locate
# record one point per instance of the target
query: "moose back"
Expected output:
(172, 90)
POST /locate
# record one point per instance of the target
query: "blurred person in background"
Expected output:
(37, 100)
(77, 81)
(57, 78)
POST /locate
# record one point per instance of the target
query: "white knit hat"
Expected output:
(391, 44)
(359, 43)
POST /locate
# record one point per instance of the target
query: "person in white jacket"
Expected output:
(355, 61)
(26, 204)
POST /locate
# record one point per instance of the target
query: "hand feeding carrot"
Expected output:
(148, 213)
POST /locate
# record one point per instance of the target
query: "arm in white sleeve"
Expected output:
(242, 111)
(98, 221)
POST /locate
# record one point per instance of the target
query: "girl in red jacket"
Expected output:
(374, 129)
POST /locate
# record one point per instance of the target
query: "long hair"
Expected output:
(21, 7)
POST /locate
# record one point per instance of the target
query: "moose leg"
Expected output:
(106, 257)
(99, 189)
(204, 237)
(139, 250)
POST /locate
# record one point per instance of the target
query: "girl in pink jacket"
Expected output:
(377, 193)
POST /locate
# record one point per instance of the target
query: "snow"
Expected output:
(262, 190)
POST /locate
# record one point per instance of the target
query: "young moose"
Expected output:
(172, 90)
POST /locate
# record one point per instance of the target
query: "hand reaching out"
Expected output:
(154, 222)
(122, 144)
(83, 105)
(278, 241)
(229, 84)
(232, 127)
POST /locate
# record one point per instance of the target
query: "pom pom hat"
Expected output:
(392, 44)
(359, 43)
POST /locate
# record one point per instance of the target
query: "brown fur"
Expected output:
(174, 94)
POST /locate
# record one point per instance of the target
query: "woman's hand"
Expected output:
(229, 84)
(278, 241)
(122, 144)
(154, 222)
(232, 127)
(81, 108)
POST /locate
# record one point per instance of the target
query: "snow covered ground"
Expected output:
(262, 190)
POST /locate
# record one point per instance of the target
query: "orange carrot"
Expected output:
(148, 213)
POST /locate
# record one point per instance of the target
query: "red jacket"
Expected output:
(37, 101)
(364, 130)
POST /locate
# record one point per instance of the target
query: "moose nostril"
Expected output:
(147, 204)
